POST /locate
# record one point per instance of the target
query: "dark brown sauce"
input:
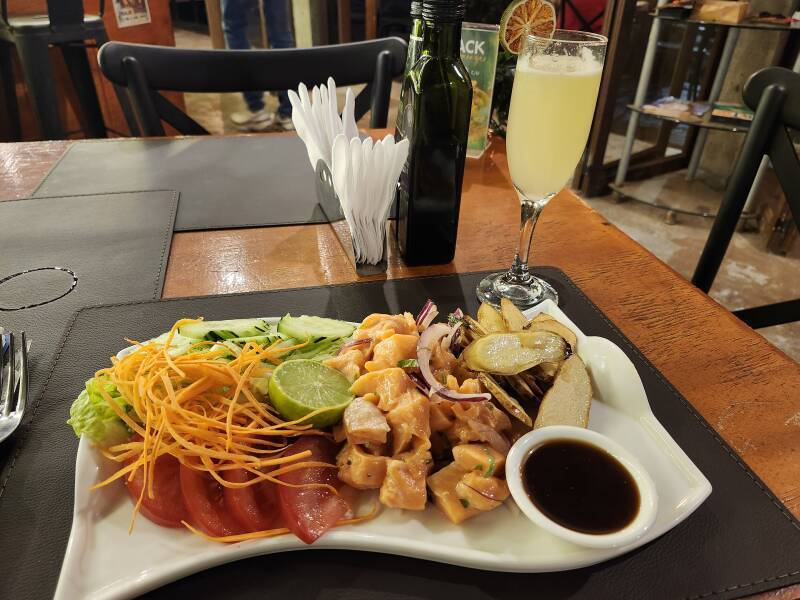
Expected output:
(581, 487)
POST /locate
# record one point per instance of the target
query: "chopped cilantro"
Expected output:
(464, 503)
(490, 469)
(408, 363)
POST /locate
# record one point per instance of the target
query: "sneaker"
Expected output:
(247, 120)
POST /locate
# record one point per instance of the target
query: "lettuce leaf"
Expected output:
(180, 343)
(90, 414)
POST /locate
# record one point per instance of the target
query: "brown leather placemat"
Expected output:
(224, 182)
(117, 245)
(740, 541)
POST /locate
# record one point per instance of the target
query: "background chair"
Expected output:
(67, 26)
(144, 70)
(774, 94)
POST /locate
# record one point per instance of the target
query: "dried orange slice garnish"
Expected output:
(525, 17)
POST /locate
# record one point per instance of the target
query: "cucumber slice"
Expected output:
(226, 330)
(305, 327)
(319, 350)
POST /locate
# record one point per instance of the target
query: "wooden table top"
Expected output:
(744, 387)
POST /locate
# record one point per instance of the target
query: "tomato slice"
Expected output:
(310, 512)
(166, 507)
(204, 499)
(254, 507)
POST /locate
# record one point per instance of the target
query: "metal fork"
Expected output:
(13, 382)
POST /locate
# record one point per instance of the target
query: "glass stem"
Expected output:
(531, 209)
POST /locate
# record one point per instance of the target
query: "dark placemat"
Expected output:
(224, 182)
(117, 245)
(740, 541)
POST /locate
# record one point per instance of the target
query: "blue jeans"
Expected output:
(234, 24)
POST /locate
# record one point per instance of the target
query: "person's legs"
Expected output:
(276, 14)
(234, 25)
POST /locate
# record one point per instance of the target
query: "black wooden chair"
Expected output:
(774, 94)
(66, 26)
(144, 70)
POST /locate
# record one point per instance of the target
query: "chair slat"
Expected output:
(159, 68)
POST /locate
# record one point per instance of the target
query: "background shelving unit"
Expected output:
(644, 193)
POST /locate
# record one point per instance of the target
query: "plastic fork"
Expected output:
(13, 382)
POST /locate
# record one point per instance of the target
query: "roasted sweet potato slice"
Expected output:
(569, 400)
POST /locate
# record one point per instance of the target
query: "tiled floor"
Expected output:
(749, 275)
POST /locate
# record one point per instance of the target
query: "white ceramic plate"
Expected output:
(103, 562)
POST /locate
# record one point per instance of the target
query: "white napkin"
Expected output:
(317, 120)
(364, 177)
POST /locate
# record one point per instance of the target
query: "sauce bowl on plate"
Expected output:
(581, 486)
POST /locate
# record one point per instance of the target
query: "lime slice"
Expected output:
(524, 17)
(299, 387)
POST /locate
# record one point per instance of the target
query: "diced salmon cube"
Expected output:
(443, 485)
(404, 486)
(391, 351)
(364, 422)
(479, 457)
(359, 469)
(410, 422)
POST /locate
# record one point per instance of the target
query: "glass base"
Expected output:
(526, 294)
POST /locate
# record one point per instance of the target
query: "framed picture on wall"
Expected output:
(131, 12)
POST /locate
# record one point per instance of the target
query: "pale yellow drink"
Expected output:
(551, 111)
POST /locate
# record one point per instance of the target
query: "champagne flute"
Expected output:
(552, 105)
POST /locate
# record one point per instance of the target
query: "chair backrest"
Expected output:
(789, 80)
(65, 13)
(774, 96)
(144, 70)
(61, 13)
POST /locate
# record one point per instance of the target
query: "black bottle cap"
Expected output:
(416, 9)
(443, 10)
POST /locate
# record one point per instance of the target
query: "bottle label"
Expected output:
(414, 50)
(415, 40)
(479, 55)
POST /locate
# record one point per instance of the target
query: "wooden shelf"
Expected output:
(742, 25)
(705, 121)
(673, 193)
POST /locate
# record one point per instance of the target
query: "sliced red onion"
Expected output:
(424, 311)
(490, 436)
(456, 321)
(480, 493)
(354, 344)
(427, 314)
(427, 341)
(417, 379)
(449, 394)
(450, 340)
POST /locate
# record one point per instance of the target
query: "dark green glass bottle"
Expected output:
(414, 51)
(415, 39)
(413, 54)
(435, 103)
